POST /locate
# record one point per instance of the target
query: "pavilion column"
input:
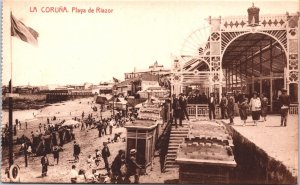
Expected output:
(236, 81)
(226, 76)
(252, 65)
(241, 81)
(271, 91)
(252, 79)
(231, 78)
(271, 75)
(260, 85)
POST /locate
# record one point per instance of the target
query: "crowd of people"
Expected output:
(44, 142)
(256, 104)
(119, 171)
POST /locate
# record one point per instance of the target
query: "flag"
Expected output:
(116, 80)
(23, 32)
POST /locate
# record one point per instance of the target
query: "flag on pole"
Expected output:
(116, 80)
(23, 32)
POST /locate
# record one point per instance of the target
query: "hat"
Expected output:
(132, 151)
(254, 92)
(104, 143)
(283, 90)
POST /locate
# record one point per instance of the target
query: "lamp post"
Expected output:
(113, 104)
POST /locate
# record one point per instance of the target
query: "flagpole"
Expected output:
(10, 105)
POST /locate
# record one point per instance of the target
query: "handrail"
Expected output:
(201, 110)
(294, 109)
(164, 144)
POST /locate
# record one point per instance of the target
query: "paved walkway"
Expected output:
(278, 142)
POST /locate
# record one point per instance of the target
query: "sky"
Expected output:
(75, 48)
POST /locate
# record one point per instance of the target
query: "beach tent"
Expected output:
(71, 123)
(120, 103)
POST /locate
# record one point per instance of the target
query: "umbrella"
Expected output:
(70, 123)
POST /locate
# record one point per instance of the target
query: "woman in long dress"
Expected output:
(243, 107)
(230, 109)
(255, 107)
(264, 107)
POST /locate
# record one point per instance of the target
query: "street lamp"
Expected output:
(113, 105)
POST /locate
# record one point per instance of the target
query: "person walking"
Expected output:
(55, 152)
(255, 107)
(243, 107)
(223, 105)
(76, 151)
(284, 103)
(264, 107)
(82, 125)
(100, 127)
(177, 111)
(40, 127)
(26, 125)
(105, 155)
(119, 167)
(111, 124)
(15, 130)
(45, 164)
(82, 115)
(211, 106)
(133, 168)
(183, 103)
(230, 109)
(105, 125)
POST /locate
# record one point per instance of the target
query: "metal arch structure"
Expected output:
(223, 31)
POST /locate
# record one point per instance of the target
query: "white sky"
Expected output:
(78, 48)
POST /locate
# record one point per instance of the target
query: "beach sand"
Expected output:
(88, 140)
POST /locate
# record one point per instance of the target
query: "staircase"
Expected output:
(176, 138)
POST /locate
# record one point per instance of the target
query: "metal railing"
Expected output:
(200, 110)
(293, 109)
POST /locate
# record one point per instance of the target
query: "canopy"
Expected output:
(71, 123)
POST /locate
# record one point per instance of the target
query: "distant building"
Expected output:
(132, 86)
(154, 69)
(103, 88)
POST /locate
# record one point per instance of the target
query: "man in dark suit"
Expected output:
(45, 163)
(183, 104)
(284, 103)
(211, 106)
(105, 155)
(177, 110)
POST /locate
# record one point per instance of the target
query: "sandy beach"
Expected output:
(88, 141)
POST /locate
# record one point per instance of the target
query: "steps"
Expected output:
(176, 138)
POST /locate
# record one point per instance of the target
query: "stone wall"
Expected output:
(254, 165)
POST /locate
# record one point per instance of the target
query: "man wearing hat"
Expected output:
(211, 106)
(105, 154)
(177, 110)
(284, 103)
(183, 103)
(76, 151)
(223, 105)
(133, 167)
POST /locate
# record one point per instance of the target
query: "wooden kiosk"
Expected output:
(142, 133)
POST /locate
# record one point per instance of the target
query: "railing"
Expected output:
(200, 110)
(293, 108)
(163, 144)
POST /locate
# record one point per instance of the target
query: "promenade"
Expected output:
(278, 142)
